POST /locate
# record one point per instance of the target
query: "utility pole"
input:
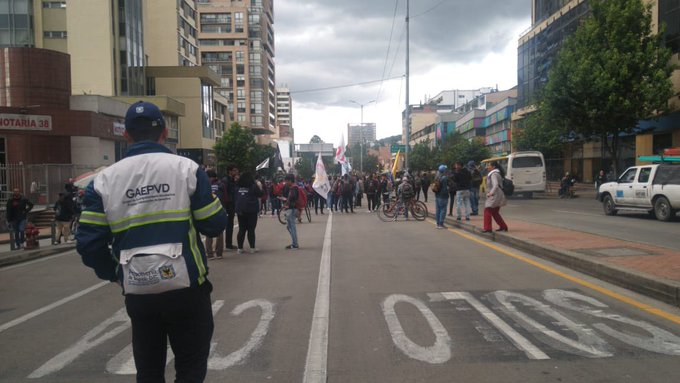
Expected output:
(361, 134)
(408, 109)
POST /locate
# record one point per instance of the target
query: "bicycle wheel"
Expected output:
(418, 211)
(282, 216)
(386, 212)
(309, 214)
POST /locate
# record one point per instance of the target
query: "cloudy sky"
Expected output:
(329, 52)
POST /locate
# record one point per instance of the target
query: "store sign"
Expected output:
(25, 122)
(118, 129)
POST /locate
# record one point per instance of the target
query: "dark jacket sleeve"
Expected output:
(209, 217)
(93, 238)
(28, 205)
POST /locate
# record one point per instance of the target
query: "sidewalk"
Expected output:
(650, 270)
(10, 257)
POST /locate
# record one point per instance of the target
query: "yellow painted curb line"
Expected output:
(652, 310)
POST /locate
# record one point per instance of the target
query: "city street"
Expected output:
(364, 301)
(585, 214)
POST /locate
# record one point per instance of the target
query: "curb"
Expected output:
(662, 289)
(41, 236)
(19, 256)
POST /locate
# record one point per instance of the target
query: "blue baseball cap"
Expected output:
(442, 168)
(143, 115)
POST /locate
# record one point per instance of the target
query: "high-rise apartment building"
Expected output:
(105, 40)
(236, 40)
(360, 133)
(165, 43)
(284, 115)
(173, 70)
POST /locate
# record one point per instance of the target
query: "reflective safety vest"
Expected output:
(152, 204)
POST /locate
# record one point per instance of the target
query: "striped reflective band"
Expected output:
(150, 218)
(208, 211)
(93, 218)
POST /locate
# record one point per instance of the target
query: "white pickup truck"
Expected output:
(654, 189)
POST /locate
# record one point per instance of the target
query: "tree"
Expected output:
(610, 74)
(457, 148)
(238, 147)
(421, 157)
(305, 167)
(316, 140)
(534, 134)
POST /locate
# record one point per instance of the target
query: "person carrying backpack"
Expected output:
(495, 198)
(64, 210)
(347, 194)
(440, 188)
(475, 183)
(371, 188)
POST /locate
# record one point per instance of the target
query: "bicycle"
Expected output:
(392, 210)
(282, 216)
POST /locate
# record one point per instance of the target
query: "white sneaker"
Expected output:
(239, 251)
(254, 250)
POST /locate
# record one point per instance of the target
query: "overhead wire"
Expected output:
(430, 9)
(389, 45)
(344, 86)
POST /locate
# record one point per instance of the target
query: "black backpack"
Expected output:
(507, 186)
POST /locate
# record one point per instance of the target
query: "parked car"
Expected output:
(653, 189)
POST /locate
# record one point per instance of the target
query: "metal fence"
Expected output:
(39, 183)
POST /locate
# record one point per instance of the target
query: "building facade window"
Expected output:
(54, 4)
(669, 15)
(207, 102)
(54, 34)
(132, 48)
(16, 23)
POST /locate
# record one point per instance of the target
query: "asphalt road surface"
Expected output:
(586, 214)
(361, 301)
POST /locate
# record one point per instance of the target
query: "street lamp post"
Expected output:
(361, 134)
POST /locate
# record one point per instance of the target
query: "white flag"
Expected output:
(321, 183)
(263, 165)
(340, 152)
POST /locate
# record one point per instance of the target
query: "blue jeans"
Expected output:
(463, 198)
(440, 213)
(474, 200)
(19, 228)
(290, 225)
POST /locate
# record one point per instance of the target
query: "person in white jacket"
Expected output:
(495, 198)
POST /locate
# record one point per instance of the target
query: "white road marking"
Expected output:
(216, 362)
(661, 341)
(90, 340)
(518, 340)
(124, 362)
(587, 343)
(317, 351)
(49, 307)
(438, 353)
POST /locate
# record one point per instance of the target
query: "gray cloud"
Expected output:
(324, 43)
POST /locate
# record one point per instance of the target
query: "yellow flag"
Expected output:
(394, 167)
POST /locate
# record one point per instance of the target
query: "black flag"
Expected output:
(278, 161)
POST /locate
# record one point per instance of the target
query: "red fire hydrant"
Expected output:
(31, 233)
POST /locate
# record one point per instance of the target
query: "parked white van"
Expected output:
(525, 169)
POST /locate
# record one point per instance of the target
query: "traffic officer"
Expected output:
(150, 207)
